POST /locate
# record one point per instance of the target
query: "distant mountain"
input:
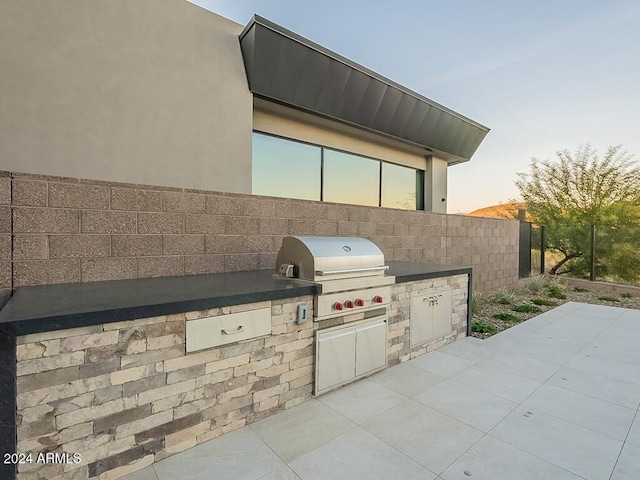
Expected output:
(502, 211)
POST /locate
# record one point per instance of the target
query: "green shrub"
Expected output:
(580, 289)
(483, 327)
(556, 290)
(626, 295)
(505, 297)
(607, 298)
(524, 308)
(507, 317)
(544, 301)
(477, 302)
(536, 283)
(558, 295)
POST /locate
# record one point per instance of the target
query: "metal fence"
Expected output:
(603, 252)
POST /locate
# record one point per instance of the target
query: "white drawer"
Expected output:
(213, 331)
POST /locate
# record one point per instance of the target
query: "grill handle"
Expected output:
(352, 270)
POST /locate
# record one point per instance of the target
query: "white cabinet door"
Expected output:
(371, 346)
(442, 314)
(421, 321)
(336, 358)
(431, 316)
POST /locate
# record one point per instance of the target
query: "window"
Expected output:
(291, 169)
(350, 179)
(283, 168)
(402, 187)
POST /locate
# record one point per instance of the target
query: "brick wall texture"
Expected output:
(59, 230)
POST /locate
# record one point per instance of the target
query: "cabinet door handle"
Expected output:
(238, 330)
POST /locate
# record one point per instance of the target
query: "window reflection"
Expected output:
(284, 168)
(350, 179)
(401, 187)
(291, 169)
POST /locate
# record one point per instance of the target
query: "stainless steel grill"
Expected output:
(350, 270)
(351, 273)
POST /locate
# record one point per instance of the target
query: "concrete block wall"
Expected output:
(58, 230)
(124, 395)
(399, 332)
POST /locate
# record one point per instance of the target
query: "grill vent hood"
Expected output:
(328, 258)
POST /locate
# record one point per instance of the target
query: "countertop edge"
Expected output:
(102, 315)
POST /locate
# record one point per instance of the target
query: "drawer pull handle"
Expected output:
(238, 330)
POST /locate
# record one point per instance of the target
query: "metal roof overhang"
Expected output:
(284, 67)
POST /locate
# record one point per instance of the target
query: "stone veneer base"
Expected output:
(125, 395)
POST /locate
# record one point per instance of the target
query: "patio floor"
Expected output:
(553, 398)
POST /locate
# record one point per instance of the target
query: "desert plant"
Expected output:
(556, 290)
(536, 283)
(505, 297)
(483, 327)
(507, 317)
(580, 189)
(478, 301)
(607, 298)
(626, 295)
(544, 301)
(524, 308)
(580, 289)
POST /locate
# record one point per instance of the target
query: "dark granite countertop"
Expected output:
(70, 305)
(55, 307)
(410, 271)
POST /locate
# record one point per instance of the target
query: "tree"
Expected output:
(577, 190)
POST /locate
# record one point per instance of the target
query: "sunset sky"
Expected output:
(544, 76)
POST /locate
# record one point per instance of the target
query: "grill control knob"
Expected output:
(377, 299)
(349, 304)
(360, 302)
(337, 306)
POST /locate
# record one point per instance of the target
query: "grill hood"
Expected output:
(320, 259)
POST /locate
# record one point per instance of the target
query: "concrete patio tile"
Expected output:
(358, 455)
(606, 367)
(362, 400)
(602, 311)
(502, 340)
(623, 350)
(147, 473)
(539, 352)
(441, 364)
(594, 414)
(474, 407)
(524, 366)
(432, 439)
(503, 384)
(578, 323)
(406, 379)
(222, 458)
(492, 459)
(628, 466)
(470, 349)
(558, 340)
(634, 432)
(577, 449)
(594, 385)
(629, 320)
(297, 431)
(282, 473)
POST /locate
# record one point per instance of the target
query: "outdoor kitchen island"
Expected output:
(107, 370)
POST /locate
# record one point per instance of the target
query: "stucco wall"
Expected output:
(140, 91)
(290, 123)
